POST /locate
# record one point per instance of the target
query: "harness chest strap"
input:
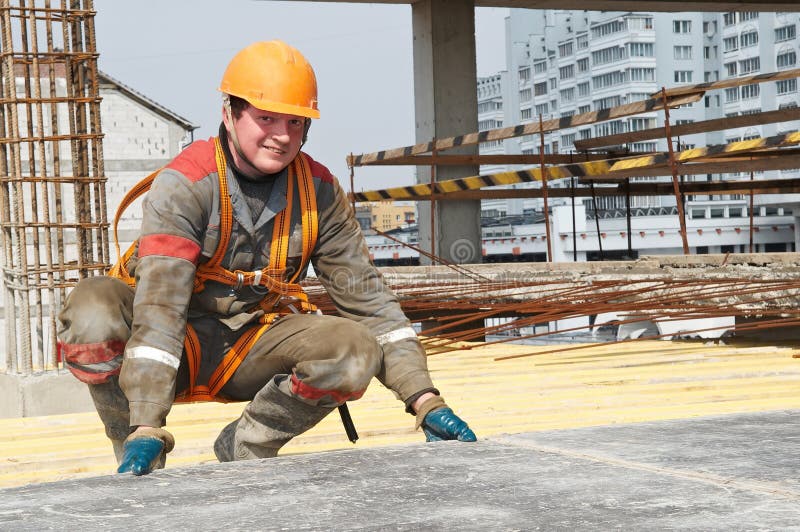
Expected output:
(269, 277)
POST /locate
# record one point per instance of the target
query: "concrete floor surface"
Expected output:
(730, 472)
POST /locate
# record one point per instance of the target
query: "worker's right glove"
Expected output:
(145, 450)
(439, 422)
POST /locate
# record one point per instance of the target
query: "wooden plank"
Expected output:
(753, 164)
(769, 117)
(599, 170)
(770, 186)
(634, 108)
(446, 160)
(733, 82)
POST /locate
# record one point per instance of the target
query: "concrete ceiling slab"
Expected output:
(622, 5)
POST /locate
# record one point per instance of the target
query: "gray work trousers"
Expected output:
(321, 352)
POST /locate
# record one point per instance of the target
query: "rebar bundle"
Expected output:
(53, 226)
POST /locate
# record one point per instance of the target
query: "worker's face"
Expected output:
(270, 141)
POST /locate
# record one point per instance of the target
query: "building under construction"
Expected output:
(54, 231)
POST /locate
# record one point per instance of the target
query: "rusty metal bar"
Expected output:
(544, 192)
(675, 184)
(750, 210)
(597, 221)
(53, 222)
(434, 153)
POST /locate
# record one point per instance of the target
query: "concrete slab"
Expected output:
(42, 394)
(733, 472)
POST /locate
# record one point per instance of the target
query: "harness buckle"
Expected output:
(239, 281)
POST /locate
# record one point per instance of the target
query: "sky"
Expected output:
(175, 51)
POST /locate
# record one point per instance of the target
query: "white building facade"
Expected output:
(562, 63)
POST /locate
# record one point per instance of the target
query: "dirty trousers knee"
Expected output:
(319, 361)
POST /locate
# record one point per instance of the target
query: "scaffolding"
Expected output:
(53, 223)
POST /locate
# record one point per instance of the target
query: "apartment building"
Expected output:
(566, 62)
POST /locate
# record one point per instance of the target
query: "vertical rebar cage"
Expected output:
(53, 223)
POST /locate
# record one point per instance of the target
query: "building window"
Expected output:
(729, 44)
(750, 91)
(584, 89)
(584, 109)
(681, 26)
(491, 123)
(525, 95)
(583, 64)
(567, 95)
(638, 124)
(786, 59)
(610, 79)
(640, 23)
(526, 114)
(609, 128)
(642, 74)
(485, 107)
(785, 33)
(732, 95)
(608, 55)
(565, 49)
(682, 52)
(607, 103)
(566, 72)
(524, 74)
(582, 41)
(568, 140)
(641, 49)
(748, 66)
(542, 109)
(729, 19)
(644, 147)
(638, 96)
(540, 88)
(683, 76)
(730, 69)
(553, 83)
(786, 86)
(540, 67)
(608, 28)
(748, 39)
(748, 15)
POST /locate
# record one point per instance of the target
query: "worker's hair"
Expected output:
(238, 105)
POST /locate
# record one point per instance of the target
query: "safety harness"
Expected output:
(283, 297)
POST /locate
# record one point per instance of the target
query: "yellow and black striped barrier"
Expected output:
(676, 96)
(731, 82)
(634, 108)
(585, 169)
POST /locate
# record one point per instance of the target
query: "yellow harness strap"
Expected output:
(282, 294)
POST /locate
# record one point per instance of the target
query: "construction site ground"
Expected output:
(635, 435)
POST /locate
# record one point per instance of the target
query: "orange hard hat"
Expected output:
(273, 76)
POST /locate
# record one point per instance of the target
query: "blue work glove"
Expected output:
(145, 450)
(439, 422)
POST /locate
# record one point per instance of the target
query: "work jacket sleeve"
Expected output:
(341, 261)
(173, 221)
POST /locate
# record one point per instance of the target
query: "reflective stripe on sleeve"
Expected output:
(152, 353)
(396, 335)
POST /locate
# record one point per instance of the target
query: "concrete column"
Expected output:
(446, 105)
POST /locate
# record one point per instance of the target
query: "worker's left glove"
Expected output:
(145, 450)
(439, 422)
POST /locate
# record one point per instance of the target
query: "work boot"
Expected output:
(270, 420)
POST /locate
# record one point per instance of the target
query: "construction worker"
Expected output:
(206, 305)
